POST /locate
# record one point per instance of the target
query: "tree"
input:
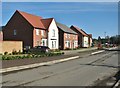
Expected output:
(99, 39)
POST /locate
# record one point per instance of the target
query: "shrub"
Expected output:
(5, 53)
(38, 55)
(14, 52)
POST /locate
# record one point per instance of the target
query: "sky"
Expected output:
(61, 1)
(93, 17)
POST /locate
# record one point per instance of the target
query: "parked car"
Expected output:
(43, 49)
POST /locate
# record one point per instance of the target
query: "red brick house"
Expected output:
(83, 37)
(67, 37)
(31, 29)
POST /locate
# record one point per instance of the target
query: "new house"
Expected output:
(83, 37)
(32, 30)
(67, 37)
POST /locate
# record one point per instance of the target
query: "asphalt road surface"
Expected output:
(84, 71)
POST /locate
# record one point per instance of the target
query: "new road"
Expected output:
(83, 71)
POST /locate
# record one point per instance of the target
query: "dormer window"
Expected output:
(14, 32)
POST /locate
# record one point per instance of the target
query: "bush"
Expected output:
(14, 52)
(5, 53)
(38, 55)
(74, 48)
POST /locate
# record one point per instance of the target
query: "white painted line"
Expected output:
(36, 65)
(116, 85)
(97, 52)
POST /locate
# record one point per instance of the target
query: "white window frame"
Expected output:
(45, 42)
(68, 35)
(42, 32)
(67, 44)
(37, 31)
(53, 33)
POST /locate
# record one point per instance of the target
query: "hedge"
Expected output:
(13, 57)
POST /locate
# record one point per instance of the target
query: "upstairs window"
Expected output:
(14, 32)
(53, 33)
(68, 35)
(37, 31)
(42, 32)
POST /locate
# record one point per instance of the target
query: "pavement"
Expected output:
(15, 65)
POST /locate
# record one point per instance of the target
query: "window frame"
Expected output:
(53, 33)
(37, 32)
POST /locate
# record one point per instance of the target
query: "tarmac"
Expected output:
(22, 64)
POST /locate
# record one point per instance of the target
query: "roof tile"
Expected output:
(34, 20)
(80, 30)
(65, 28)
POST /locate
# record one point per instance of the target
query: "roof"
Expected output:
(65, 28)
(80, 30)
(34, 20)
(90, 35)
(47, 22)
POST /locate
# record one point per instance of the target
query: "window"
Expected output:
(75, 43)
(43, 42)
(15, 32)
(42, 32)
(38, 43)
(52, 45)
(53, 33)
(68, 35)
(67, 44)
(37, 31)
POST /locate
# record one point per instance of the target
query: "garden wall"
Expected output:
(10, 46)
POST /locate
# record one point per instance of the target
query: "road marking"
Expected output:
(36, 65)
(116, 85)
(97, 52)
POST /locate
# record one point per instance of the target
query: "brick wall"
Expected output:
(24, 31)
(37, 37)
(71, 38)
(9, 46)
